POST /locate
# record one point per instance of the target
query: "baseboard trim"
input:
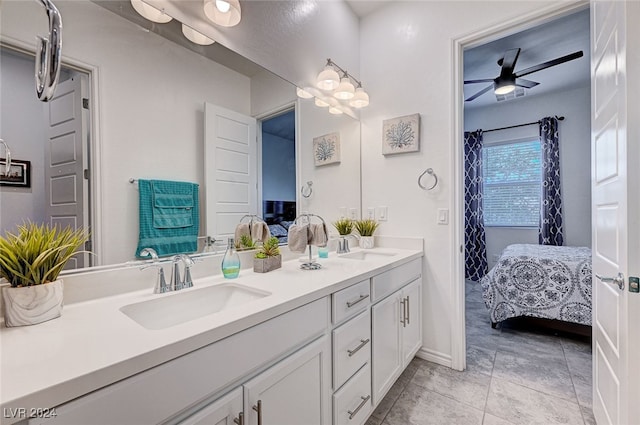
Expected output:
(434, 356)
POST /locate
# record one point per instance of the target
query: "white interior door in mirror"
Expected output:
(230, 169)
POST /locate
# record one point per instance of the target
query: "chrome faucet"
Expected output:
(161, 283)
(178, 283)
(343, 243)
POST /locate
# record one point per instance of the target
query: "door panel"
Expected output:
(230, 169)
(611, 247)
(386, 353)
(64, 161)
(412, 332)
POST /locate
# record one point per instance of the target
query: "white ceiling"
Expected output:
(363, 8)
(540, 44)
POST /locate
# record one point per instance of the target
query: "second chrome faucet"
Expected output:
(177, 282)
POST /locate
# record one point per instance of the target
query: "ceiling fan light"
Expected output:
(504, 85)
(360, 98)
(196, 37)
(328, 78)
(345, 90)
(226, 13)
(150, 13)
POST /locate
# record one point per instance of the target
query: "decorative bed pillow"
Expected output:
(286, 224)
(277, 230)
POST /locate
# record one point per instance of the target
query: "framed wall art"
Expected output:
(326, 149)
(19, 174)
(401, 135)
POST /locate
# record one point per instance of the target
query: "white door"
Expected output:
(224, 411)
(614, 213)
(230, 169)
(385, 348)
(412, 328)
(294, 391)
(65, 161)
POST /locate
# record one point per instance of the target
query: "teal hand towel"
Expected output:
(169, 217)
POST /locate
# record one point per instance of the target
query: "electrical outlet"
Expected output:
(343, 212)
(353, 213)
(382, 213)
(371, 213)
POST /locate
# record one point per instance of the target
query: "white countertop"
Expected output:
(93, 344)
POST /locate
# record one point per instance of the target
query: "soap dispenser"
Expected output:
(231, 261)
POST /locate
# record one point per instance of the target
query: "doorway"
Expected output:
(278, 171)
(54, 137)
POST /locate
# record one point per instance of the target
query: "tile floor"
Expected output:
(513, 376)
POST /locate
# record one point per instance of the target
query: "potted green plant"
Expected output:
(366, 228)
(31, 261)
(268, 257)
(245, 243)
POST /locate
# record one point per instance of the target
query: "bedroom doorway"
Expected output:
(511, 151)
(277, 175)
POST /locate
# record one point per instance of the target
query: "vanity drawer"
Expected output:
(352, 404)
(350, 301)
(351, 347)
(390, 281)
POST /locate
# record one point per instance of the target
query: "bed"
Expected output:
(549, 282)
(279, 215)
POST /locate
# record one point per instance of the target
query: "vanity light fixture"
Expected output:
(196, 36)
(225, 13)
(321, 103)
(149, 12)
(304, 93)
(342, 88)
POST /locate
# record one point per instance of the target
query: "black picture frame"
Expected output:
(19, 174)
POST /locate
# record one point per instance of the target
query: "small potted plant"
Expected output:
(366, 228)
(344, 226)
(268, 257)
(31, 261)
(245, 243)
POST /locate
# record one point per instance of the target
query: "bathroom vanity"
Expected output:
(288, 347)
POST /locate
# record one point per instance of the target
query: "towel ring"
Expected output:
(431, 173)
(308, 187)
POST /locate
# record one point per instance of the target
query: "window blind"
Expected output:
(511, 177)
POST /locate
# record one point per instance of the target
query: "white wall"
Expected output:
(151, 105)
(407, 66)
(575, 158)
(334, 185)
(22, 126)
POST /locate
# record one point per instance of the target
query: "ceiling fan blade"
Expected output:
(521, 82)
(549, 64)
(484, 80)
(480, 93)
(509, 61)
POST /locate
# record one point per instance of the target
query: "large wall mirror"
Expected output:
(145, 119)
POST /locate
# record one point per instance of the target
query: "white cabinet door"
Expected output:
(386, 355)
(412, 328)
(221, 412)
(295, 391)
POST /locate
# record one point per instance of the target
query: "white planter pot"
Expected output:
(32, 304)
(366, 242)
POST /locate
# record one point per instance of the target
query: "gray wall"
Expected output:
(575, 157)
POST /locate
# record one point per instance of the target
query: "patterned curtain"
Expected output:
(550, 232)
(474, 240)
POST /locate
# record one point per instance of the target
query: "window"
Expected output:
(512, 176)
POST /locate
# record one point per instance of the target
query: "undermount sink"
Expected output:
(174, 309)
(367, 255)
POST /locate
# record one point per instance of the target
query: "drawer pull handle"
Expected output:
(360, 406)
(363, 342)
(258, 409)
(362, 298)
(240, 419)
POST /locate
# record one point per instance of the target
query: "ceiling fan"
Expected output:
(508, 80)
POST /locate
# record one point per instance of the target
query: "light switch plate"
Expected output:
(443, 216)
(382, 213)
(371, 213)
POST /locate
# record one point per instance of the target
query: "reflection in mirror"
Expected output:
(146, 119)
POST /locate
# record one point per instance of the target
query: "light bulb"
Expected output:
(328, 78)
(225, 13)
(223, 6)
(149, 12)
(345, 90)
(360, 98)
(196, 37)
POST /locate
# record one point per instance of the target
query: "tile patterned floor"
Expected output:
(513, 377)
